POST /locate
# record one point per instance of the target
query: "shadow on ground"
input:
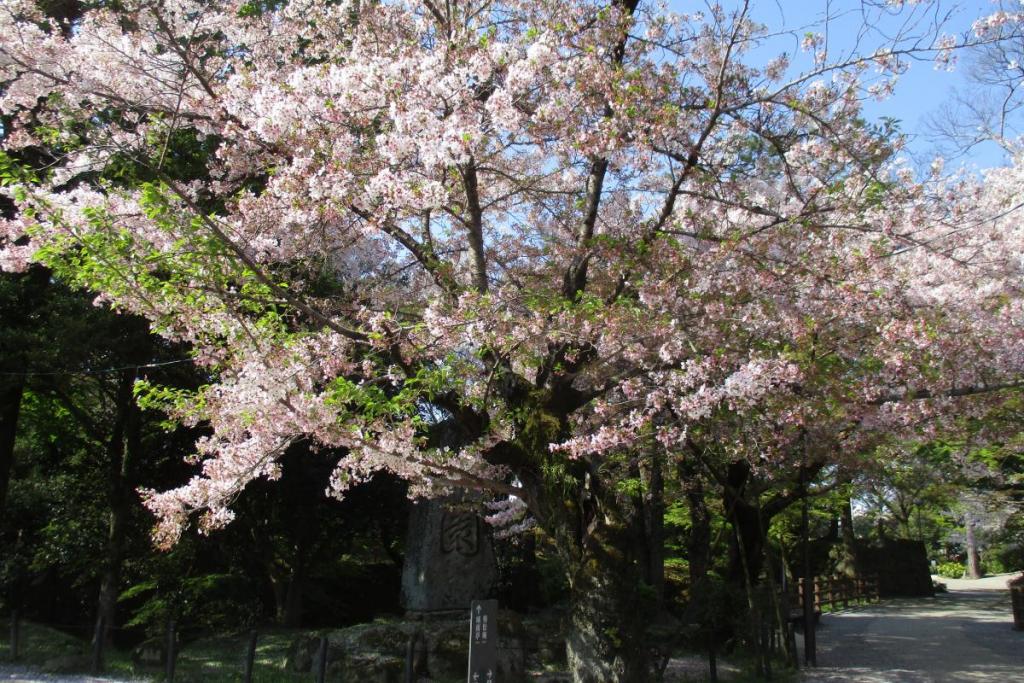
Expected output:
(956, 636)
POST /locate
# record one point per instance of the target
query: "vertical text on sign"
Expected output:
(483, 641)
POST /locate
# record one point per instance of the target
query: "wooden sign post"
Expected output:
(483, 641)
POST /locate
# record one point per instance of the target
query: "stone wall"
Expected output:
(378, 651)
(901, 565)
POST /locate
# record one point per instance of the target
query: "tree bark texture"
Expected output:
(599, 532)
(973, 556)
(750, 526)
(847, 564)
(606, 643)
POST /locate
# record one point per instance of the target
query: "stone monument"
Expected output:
(449, 558)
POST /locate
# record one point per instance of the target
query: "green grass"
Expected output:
(219, 659)
(40, 644)
(216, 659)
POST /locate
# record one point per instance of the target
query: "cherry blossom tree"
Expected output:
(584, 233)
(988, 109)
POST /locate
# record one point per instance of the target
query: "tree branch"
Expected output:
(475, 225)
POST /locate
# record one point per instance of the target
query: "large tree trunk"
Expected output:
(698, 544)
(973, 556)
(289, 590)
(598, 528)
(598, 533)
(606, 643)
(750, 526)
(698, 548)
(847, 564)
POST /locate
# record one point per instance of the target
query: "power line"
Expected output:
(103, 371)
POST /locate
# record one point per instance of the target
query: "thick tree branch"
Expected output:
(954, 392)
(423, 252)
(475, 224)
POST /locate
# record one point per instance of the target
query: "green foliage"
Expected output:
(950, 570)
(632, 487)
(216, 601)
(177, 400)
(552, 584)
(255, 8)
(13, 172)
(993, 564)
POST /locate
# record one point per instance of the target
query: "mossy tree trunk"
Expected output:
(606, 641)
(598, 512)
(604, 513)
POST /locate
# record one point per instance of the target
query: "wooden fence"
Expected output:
(832, 592)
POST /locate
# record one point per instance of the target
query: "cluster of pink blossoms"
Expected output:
(603, 213)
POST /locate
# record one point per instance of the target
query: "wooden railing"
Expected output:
(833, 592)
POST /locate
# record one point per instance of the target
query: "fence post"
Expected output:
(15, 633)
(410, 658)
(171, 652)
(250, 657)
(97, 646)
(321, 667)
(712, 661)
(810, 600)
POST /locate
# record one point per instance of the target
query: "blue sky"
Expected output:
(921, 91)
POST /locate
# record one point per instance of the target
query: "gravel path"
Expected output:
(989, 583)
(963, 635)
(11, 672)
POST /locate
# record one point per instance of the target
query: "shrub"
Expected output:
(951, 570)
(993, 565)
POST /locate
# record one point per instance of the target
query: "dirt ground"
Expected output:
(10, 673)
(964, 635)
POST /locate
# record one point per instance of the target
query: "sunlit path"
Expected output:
(958, 636)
